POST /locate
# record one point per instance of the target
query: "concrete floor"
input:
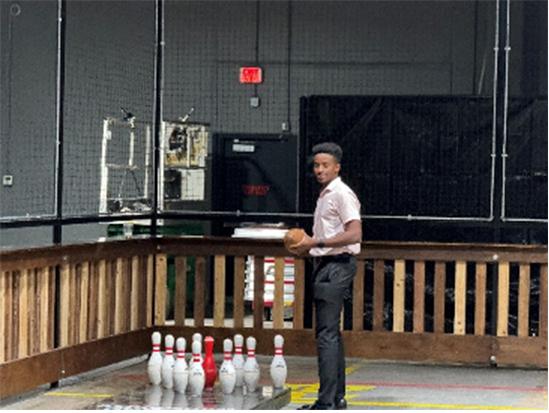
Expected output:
(370, 385)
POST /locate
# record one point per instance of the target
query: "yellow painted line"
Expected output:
(438, 406)
(351, 369)
(84, 395)
(423, 405)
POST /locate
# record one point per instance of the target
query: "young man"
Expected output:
(337, 233)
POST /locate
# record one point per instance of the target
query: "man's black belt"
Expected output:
(324, 259)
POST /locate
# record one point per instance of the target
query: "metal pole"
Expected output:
(58, 226)
(157, 122)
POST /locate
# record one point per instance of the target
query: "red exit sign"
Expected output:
(251, 74)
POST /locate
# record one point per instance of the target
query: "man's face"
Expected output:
(326, 168)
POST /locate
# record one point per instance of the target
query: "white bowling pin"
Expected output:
(227, 373)
(279, 370)
(238, 360)
(196, 337)
(180, 401)
(167, 399)
(153, 395)
(168, 363)
(180, 369)
(154, 366)
(197, 378)
(251, 368)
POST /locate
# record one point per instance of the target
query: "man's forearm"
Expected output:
(351, 235)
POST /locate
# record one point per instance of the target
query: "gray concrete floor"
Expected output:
(370, 385)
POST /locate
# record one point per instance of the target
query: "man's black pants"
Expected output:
(333, 276)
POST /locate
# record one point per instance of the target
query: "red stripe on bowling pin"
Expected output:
(156, 348)
(251, 353)
(227, 355)
(278, 351)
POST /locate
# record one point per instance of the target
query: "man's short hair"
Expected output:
(330, 148)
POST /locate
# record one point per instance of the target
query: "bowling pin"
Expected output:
(153, 395)
(227, 373)
(197, 378)
(238, 360)
(251, 368)
(210, 370)
(154, 366)
(167, 399)
(279, 371)
(196, 336)
(180, 369)
(168, 363)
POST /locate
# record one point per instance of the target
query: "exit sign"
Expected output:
(251, 74)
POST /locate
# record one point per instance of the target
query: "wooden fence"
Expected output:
(69, 309)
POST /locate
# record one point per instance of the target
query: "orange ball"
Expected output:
(293, 237)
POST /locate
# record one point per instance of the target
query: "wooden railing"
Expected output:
(72, 308)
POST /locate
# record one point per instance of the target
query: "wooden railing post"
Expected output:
(259, 279)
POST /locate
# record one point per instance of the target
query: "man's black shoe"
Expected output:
(341, 404)
(316, 406)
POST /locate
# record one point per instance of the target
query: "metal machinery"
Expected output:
(121, 162)
(183, 148)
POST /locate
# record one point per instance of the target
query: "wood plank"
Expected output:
(278, 299)
(64, 296)
(33, 344)
(28, 373)
(180, 299)
(102, 300)
(379, 295)
(503, 299)
(14, 320)
(8, 315)
(386, 250)
(84, 299)
(408, 346)
(23, 342)
(259, 279)
(143, 295)
(111, 296)
(150, 290)
(3, 310)
(238, 293)
(523, 300)
(135, 304)
(127, 295)
(92, 304)
(43, 294)
(439, 296)
(199, 291)
(460, 291)
(543, 301)
(358, 297)
(480, 299)
(299, 293)
(53, 298)
(419, 297)
(219, 291)
(74, 303)
(52, 256)
(119, 309)
(399, 289)
(160, 289)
